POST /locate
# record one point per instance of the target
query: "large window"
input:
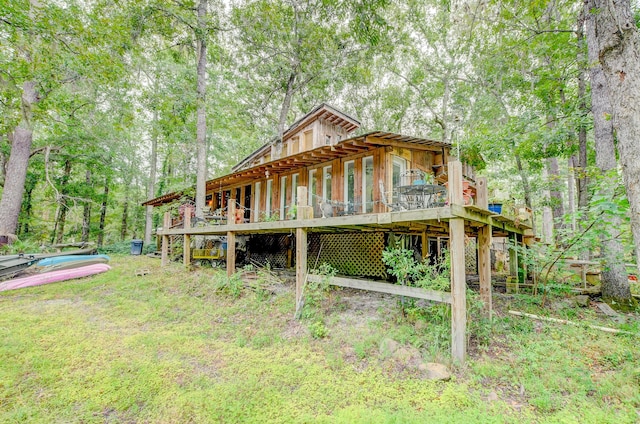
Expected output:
(399, 167)
(349, 186)
(294, 189)
(267, 207)
(367, 184)
(312, 187)
(283, 197)
(326, 184)
(256, 203)
(308, 140)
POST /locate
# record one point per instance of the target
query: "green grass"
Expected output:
(170, 348)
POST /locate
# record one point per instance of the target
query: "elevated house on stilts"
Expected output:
(323, 195)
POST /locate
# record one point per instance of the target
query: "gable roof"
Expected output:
(350, 146)
(322, 111)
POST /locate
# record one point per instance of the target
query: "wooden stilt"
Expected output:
(303, 212)
(166, 223)
(513, 256)
(186, 245)
(484, 248)
(231, 238)
(484, 267)
(425, 245)
(458, 277)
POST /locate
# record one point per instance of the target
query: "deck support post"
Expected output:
(513, 261)
(166, 223)
(186, 245)
(303, 212)
(425, 245)
(231, 238)
(458, 277)
(484, 248)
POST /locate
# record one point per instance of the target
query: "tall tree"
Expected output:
(615, 284)
(50, 46)
(618, 46)
(201, 97)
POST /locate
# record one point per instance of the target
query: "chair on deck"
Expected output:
(383, 197)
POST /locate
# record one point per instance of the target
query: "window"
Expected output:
(349, 186)
(267, 207)
(326, 183)
(399, 167)
(256, 203)
(312, 186)
(327, 139)
(294, 189)
(338, 138)
(283, 197)
(308, 140)
(367, 184)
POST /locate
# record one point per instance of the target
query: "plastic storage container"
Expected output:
(136, 247)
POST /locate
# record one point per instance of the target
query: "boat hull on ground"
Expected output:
(54, 277)
(62, 259)
(14, 264)
(70, 264)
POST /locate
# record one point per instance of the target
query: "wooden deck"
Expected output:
(413, 220)
(454, 221)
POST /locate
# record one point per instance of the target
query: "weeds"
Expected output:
(168, 347)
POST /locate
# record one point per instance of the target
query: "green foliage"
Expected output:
(20, 246)
(229, 285)
(318, 330)
(124, 248)
(404, 267)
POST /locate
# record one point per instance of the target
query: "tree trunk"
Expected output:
(27, 206)
(63, 205)
(284, 111)
(555, 196)
(580, 163)
(526, 187)
(615, 284)
(125, 215)
(201, 125)
(618, 45)
(103, 212)
(86, 213)
(571, 192)
(148, 223)
(17, 165)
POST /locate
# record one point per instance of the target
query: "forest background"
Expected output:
(107, 104)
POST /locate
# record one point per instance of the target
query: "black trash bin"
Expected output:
(136, 247)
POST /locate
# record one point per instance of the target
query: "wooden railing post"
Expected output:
(303, 211)
(484, 248)
(231, 238)
(458, 277)
(166, 223)
(186, 245)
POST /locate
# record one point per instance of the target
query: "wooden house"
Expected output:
(322, 194)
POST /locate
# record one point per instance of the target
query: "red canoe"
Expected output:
(53, 277)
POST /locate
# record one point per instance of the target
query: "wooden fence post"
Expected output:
(484, 248)
(186, 245)
(458, 277)
(302, 212)
(231, 238)
(166, 223)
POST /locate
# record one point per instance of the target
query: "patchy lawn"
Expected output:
(173, 346)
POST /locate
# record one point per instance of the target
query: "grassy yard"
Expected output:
(177, 347)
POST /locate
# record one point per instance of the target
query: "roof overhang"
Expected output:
(348, 147)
